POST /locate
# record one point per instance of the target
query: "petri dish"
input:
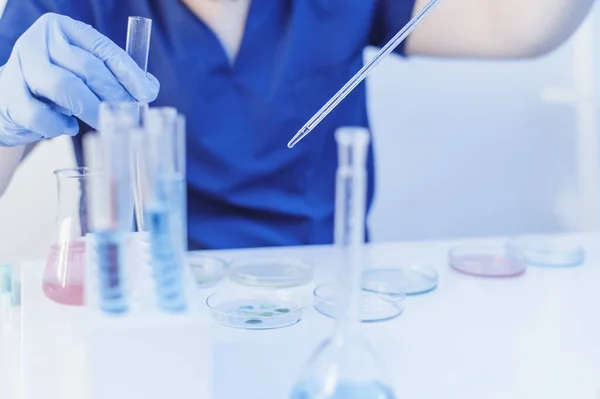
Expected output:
(271, 272)
(260, 309)
(486, 261)
(207, 271)
(374, 307)
(412, 280)
(547, 251)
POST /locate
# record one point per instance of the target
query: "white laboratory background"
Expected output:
(463, 149)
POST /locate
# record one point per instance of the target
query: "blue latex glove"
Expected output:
(60, 69)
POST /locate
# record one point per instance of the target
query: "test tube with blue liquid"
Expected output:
(344, 366)
(109, 190)
(162, 176)
(123, 118)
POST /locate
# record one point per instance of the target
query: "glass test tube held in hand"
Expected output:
(344, 366)
(139, 32)
(109, 191)
(162, 177)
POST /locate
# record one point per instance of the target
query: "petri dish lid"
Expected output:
(255, 309)
(547, 251)
(412, 280)
(271, 272)
(486, 261)
(207, 271)
(374, 307)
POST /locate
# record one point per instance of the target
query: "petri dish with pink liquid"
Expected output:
(486, 261)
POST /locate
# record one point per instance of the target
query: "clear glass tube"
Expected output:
(120, 115)
(108, 157)
(162, 173)
(180, 159)
(349, 223)
(119, 118)
(139, 30)
(344, 366)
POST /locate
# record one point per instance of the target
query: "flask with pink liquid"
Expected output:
(63, 280)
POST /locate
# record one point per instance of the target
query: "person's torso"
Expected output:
(245, 187)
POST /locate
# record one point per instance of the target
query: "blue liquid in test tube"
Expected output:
(164, 190)
(109, 218)
(166, 262)
(109, 259)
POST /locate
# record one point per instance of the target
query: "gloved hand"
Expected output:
(60, 69)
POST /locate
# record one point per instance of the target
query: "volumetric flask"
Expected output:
(63, 279)
(345, 366)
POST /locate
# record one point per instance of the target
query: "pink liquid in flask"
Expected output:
(64, 273)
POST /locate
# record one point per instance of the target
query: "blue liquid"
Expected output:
(345, 390)
(166, 256)
(109, 252)
(171, 192)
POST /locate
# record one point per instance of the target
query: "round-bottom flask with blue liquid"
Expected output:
(344, 367)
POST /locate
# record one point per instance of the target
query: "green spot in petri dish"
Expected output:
(266, 314)
(282, 310)
(247, 307)
(253, 321)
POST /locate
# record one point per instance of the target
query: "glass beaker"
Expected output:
(63, 280)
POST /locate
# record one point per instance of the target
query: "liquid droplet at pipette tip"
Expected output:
(299, 136)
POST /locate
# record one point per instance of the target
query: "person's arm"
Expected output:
(10, 158)
(496, 28)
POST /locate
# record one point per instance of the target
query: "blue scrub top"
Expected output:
(245, 187)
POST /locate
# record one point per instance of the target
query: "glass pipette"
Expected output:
(363, 73)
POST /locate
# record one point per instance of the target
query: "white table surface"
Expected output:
(536, 336)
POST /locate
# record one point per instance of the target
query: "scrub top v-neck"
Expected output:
(245, 188)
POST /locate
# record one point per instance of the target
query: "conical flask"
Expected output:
(345, 366)
(63, 279)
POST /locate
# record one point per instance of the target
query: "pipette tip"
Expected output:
(299, 136)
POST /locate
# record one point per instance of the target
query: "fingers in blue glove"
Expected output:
(143, 87)
(91, 70)
(81, 68)
(36, 119)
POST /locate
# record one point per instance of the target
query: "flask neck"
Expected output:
(71, 215)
